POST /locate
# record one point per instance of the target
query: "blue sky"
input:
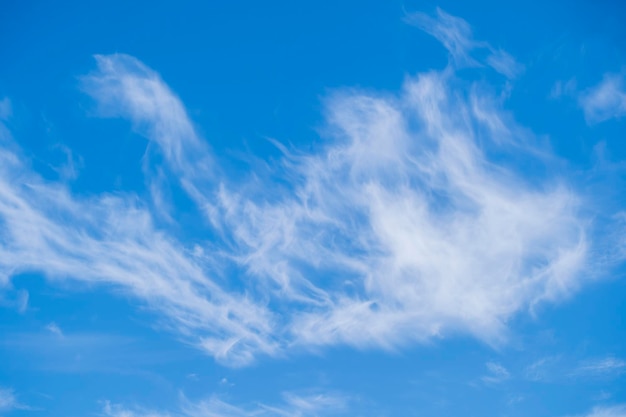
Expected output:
(312, 209)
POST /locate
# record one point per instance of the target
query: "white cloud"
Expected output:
(293, 405)
(554, 368)
(406, 205)
(609, 366)
(116, 410)
(54, 329)
(563, 88)
(14, 299)
(69, 169)
(456, 36)
(403, 228)
(7, 399)
(497, 373)
(605, 101)
(504, 63)
(543, 369)
(110, 241)
(453, 32)
(6, 109)
(608, 411)
(125, 87)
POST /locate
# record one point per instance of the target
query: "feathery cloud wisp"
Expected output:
(110, 240)
(605, 101)
(610, 411)
(456, 36)
(404, 206)
(294, 405)
(609, 366)
(497, 373)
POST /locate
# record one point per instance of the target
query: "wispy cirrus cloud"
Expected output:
(54, 328)
(543, 369)
(497, 373)
(9, 401)
(555, 368)
(607, 411)
(427, 235)
(293, 405)
(413, 221)
(6, 110)
(430, 239)
(116, 410)
(604, 101)
(456, 36)
(604, 367)
(125, 87)
(110, 241)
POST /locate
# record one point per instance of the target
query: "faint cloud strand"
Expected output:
(9, 402)
(605, 101)
(544, 369)
(605, 367)
(6, 110)
(607, 411)
(456, 36)
(54, 329)
(7, 399)
(294, 405)
(497, 373)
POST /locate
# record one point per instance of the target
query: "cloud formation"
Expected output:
(456, 36)
(419, 231)
(9, 402)
(497, 373)
(610, 411)
(315, 405)
(7, 399)
(414, 220)
(604, 101)
(110, 241)
(605, 367)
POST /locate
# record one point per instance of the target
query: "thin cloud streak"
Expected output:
(7, 399)
(607, 411)
(293, 405)
(497, 373)
(605, 367)
(455, 34)
(125, 87)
